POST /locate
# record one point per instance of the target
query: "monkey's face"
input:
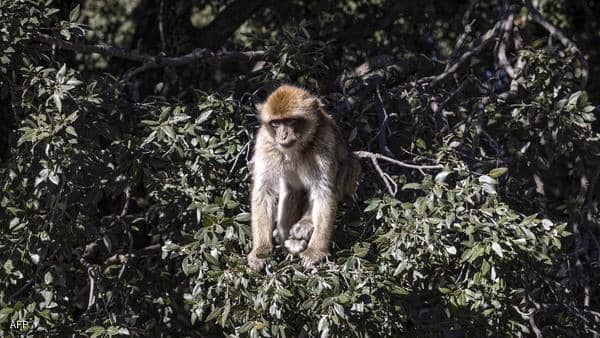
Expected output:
(286, 132)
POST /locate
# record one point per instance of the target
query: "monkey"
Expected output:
(302, 169)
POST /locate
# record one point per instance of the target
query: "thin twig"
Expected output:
(127, 227)
(237, 157)
(383, 124)
(455, 93)
(383, 176)
(121, 258)
(478, 129)
(370, 155)
(390, 184)
(92, 275)
(506, 32)
(463, 36)
(536, 330)
(480, 45)
(161, 30)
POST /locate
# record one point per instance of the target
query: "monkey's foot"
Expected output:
(255, 263)
(302, 230)
(310, 257)
(295, 246)
(299, 236)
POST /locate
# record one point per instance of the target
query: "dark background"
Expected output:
(126, 132)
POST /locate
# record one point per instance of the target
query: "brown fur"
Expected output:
(288, 101)
(299, 184)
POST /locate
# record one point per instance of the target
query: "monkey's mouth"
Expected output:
(287, 144)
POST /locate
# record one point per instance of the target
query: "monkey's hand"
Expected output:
(299, 236)
(311, 256)
(255, 263)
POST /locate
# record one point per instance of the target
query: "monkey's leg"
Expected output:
(323, 202)
(263, 209)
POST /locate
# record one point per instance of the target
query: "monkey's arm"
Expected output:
(264, 199)
(324, 204)
(289, 208)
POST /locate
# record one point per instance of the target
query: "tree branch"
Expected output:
(480, 45)
(216, 33)
(382, 71)
(151, 61)
(502, 44)
(468, 23)
(364, 28)
(122, 258)
(390, 184)
(537, 16)
(385, 177)
(367, 154)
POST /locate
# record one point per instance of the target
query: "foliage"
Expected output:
(124, 200)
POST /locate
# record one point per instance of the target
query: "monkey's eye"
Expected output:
(274, 124)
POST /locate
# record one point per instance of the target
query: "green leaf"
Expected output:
(164, 114)
(339, 309)
(4, 313)
(214, 314)
(485, 267)
(323, 324)
(413, 186)
(497, 249)
(440, 177)
(451, 250)
(242, 217)
(95, 331)
(123, 331)
(361, 249)
(71, 131)
(52, 11)
(205, 116)
(57, 101)
(487, 180)
(48, 278)
(190, 266)
(372, 206)
(246, 327)
(54, 178)
(112, 330)
(497, 172)
(74, 14)
(169, 131)
(226, 311)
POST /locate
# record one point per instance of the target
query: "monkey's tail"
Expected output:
(352, 175)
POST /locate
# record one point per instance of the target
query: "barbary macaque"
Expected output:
(302, 170)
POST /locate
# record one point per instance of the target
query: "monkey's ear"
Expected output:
(259, 108)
